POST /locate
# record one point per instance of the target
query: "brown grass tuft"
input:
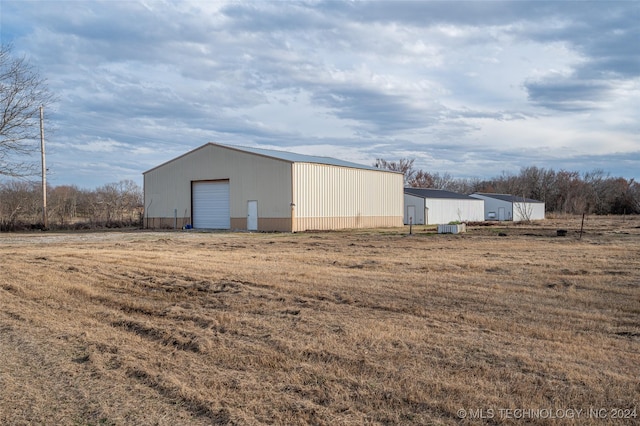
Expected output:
(362, 327)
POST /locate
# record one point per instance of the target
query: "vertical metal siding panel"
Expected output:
(434, 211)
(295, 195)
(477, 211)
(303, 192)
(459, 211)
(166, 191)
(464, 210)
(467, 210)
(300, 189)
(300, 173)
(348, 200)
(308, 193)
(332, 196)
(293, 180)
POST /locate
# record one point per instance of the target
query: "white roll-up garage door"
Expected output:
(211, 205)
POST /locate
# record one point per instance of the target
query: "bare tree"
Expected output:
(19, 203)
(468, 186)
(634, 192)
(568, 193)
(404, 165)
(444, 181)
(64, 202)
(421, 179)
(596, 181)
(620, 197)
(117, 202)
(22, 93)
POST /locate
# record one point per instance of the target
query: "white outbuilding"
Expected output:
(240, 188)
(510, 207)
(436, 206)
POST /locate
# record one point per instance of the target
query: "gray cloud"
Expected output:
(567, 93)
(475, 87)
(605, 35)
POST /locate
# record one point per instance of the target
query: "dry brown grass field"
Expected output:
(328, 328)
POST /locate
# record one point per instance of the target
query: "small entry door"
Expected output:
(252, 215)
(411, 215)
(500, 213)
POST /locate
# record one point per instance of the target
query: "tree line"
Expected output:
(563, 191)
(69, 207)
(121, 204)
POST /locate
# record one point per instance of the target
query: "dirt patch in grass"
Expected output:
(360, 327)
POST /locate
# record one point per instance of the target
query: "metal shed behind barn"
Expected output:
(510, 207)
(436, 206)
(228, 187)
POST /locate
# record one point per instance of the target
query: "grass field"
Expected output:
(359, 327)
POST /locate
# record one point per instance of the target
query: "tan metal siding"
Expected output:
(332, 197)
(251, 177)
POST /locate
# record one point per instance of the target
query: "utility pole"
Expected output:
(45, 219)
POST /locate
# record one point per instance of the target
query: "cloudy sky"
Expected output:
(474, 89)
